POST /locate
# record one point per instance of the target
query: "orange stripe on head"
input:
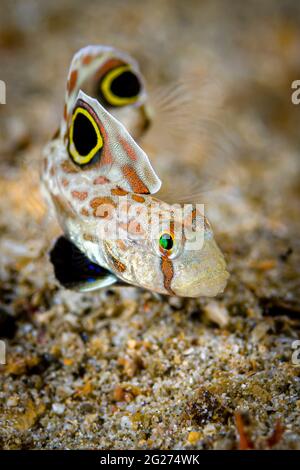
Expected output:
(190, 220)
(194, 219)
(134, 180)
(168, 273)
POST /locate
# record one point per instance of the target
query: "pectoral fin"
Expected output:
(75, 271)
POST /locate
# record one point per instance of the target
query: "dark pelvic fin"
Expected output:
(75, 271)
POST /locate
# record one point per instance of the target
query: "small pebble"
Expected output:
(193, 437)
(217, 313)
(176, 303)
(58, 408)
(12, 401)
(125, 422)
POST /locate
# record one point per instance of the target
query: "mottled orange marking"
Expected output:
(65, 182)
(134, 180)
(97, 201)
(119, 191)
(90, 238)
(67, 167)
(84, 212)
(168, 273)
(96, 204)
(121, 245)
(101, 180)
(137, 198)
(123, 226)
(87, 59)
(128, 149)
(135, 228)
(72, 81)
(117, 263)
(81, 195)
(139, 210)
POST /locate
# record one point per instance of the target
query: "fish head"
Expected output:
(169, 250)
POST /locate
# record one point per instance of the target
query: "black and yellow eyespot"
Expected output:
(120, 86)
(85, 139)
(166, 242)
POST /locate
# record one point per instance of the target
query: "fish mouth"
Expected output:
(204, 288)
(205, 277)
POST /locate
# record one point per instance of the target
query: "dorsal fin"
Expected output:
(119, 158)
(88, 67)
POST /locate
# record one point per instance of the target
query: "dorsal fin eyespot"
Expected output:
(85, 140)
(97, 139)
(105, 73)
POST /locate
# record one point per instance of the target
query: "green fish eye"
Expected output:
(166, 241)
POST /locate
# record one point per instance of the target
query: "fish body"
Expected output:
(100, 184)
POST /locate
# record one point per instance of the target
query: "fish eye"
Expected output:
(85, 139)
(166, 242)
(120, 86)
(169, 244)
